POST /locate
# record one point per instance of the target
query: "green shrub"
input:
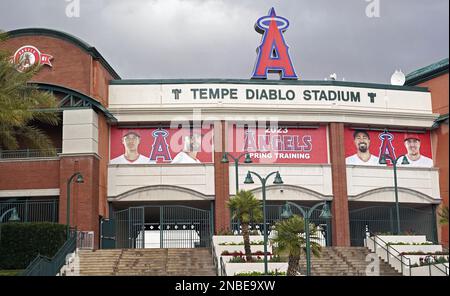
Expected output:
(257, 273)
(20, 243)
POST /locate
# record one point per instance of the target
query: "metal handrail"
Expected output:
(223, 271)
(213, 253)
(45, 266)
(409, 265)
(375, 238)
(29, 153)
(435, 266)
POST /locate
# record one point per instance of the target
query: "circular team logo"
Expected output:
(28, 56)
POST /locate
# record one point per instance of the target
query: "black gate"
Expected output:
(273, 215)
(382, 220)
(163, 227)
(107, 234)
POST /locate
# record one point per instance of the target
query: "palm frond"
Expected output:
(21, 105)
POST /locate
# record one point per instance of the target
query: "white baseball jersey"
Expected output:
(122, 160)
(183, 157)
(423, 162)
(355, 160)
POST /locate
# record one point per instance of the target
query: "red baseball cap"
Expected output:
(129, 132)
(408, 136)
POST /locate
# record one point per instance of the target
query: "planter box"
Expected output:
(432, 270)
(416, 258)
(254, 248)
(232, 268)
(227, 258)
(415, 248)
(402, 238)
(218, 239)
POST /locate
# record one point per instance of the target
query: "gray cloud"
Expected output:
(216, 39)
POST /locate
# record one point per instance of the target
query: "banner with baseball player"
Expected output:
(366, 147)
(160, 145)
(280, 144)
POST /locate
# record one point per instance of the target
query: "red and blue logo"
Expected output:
(386, 147)
(273, 56)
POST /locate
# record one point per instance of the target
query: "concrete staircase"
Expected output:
(343, 261)
(356, 258)
(149, 262)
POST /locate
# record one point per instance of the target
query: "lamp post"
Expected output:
(394, 164)
(14, 216)
(278, 180)
(236, 163)
(79, 179)
(325, 214)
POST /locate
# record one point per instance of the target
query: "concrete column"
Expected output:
(341, 225)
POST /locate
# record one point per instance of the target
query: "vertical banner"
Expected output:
(279, 145)
(364, 147)
(160, 145)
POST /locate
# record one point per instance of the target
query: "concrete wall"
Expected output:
(313, 177)
(363, 179)
(198, 177)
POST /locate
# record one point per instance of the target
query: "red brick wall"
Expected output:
(221, 186)
(35, 174)
(340, 220)
(73, 68)
(71, 64)
(84, 197)
(103, 151)
(439, 89)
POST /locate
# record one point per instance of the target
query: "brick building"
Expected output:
(169, 186)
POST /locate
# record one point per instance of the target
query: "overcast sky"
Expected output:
(216, 39)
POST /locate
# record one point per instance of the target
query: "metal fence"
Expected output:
(30, 210)
(382, 219)
(273, 215)
(163, 227)
(85, 240)
(29, 153)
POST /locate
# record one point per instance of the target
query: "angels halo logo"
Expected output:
(27, 56)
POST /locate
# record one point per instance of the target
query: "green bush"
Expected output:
(20, 243)
(257, 273)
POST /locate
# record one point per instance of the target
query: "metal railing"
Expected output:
(213, 253)
(32, 210)
(45, 266)
(430, 265)
(85, 240)
(385, 247)
(223, 271)
(398, 256)
(29, 153)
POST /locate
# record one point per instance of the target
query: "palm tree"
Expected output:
(290, 240)
(21, 106)
(443, 214)
(246, 208)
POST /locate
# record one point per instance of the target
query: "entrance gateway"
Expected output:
(158, 226)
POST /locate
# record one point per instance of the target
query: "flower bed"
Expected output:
(237, 248)
(233, 268)
(420, 260)
(415, 248)
(259, 242)
(220, 239)
(257, 273)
